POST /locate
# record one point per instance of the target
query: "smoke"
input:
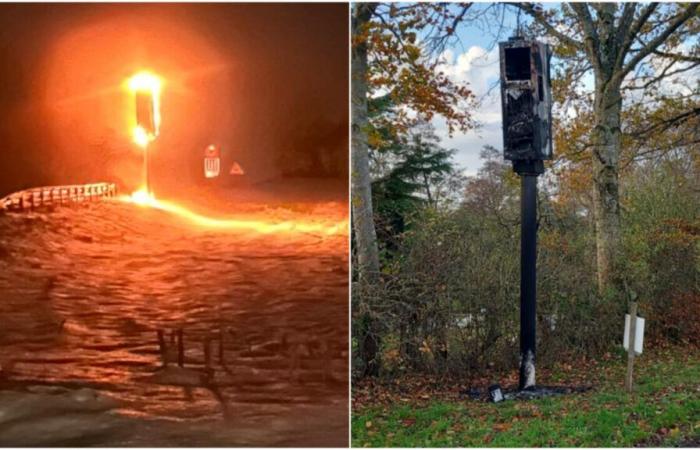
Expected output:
(267, 83)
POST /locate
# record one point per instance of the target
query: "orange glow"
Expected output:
(85, 72)
(146, 82)
(141, 136)
(142, 197)
(146, 199)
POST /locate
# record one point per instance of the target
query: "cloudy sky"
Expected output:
(474, 60)
(477, 66)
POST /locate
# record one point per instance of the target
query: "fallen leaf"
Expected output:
(502, 426)
(408, 422)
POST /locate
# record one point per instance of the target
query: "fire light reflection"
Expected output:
(147, 199)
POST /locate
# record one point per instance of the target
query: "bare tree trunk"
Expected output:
(603, 48)
(362, 214)
(614, 48)
(361, 191)
(426, 183)
(606, 194)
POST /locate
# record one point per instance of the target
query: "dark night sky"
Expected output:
(267, 82)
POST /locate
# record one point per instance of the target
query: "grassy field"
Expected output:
(664, 410)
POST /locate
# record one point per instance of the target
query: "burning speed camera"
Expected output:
(145, 112)
(146, 88)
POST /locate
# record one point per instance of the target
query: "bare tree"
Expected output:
(362, 212)
(615, 39)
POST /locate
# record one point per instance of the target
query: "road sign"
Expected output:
(236, 169)
(212, 161)
(638, 335)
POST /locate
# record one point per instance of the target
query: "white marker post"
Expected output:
(633, 341)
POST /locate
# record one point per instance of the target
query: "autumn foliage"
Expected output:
(448, 302)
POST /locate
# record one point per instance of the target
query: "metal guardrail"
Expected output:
(57, 195)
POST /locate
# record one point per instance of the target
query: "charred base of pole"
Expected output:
(496, 394)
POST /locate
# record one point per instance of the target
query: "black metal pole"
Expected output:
(528, 278)
(146, 174)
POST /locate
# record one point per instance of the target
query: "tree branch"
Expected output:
(536, 14)
(658, 40)
(634, 31)
(440, 41)
(591, 35)
(669, 123)
(626, 19)
(678, 57)
(664, 74)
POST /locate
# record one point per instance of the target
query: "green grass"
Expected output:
(667, 396)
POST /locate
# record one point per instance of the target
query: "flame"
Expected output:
(141, 137)
(144, 198)
(147, 82)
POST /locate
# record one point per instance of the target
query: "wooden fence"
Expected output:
(57, 195)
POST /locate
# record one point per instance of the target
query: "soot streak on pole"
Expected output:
(528, 279)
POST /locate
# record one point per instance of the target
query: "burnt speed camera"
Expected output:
(526, 103)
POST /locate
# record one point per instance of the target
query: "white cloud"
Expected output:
(480, 69)
(476, 66)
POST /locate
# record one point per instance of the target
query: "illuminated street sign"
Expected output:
(212, 161)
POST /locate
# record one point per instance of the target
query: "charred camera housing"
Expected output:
(526, 102)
